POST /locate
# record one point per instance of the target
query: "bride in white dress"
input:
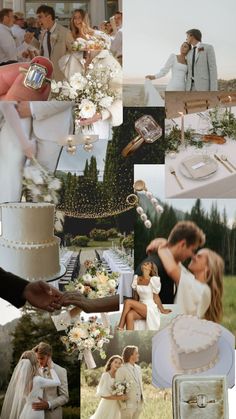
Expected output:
(25, 388)
(200, 287)
(109, 404)
(147, 304)
(15, 147)
(177, 64)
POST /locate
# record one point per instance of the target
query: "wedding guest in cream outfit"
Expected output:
(55, 40)
(201, 61)
(131, 372)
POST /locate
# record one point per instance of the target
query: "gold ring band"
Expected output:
(132, 199)
(132, 146)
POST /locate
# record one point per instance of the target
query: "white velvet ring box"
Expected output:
(200, 397)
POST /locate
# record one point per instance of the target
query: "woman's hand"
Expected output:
(165, 310)
(90, 121)
(123, 397)
(30, 151)
(156, 244)
(49, 362)
(150, 77)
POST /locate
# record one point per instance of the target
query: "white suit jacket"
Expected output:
(125, 372)
(57, 396)
(205, 69)
(52, 120)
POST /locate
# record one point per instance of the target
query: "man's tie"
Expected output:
(49, 43)
(193, 62)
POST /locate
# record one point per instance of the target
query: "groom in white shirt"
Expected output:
(53, 397)
(131, 372)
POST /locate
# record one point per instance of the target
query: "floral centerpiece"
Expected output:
(119, 388)
(96, 282)
(39, 184)
(223, 122)
(85, 337)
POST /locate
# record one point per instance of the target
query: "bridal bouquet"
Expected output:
(91, 92)
(39, 184)
(93, 42)
(85, 337)
(120, 387)
(95, 283)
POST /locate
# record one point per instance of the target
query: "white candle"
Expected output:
(182, 127)
(230, 100)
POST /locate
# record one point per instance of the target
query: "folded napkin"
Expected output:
(198, 168)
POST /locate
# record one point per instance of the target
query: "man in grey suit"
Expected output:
(53, 397)
(201, 61)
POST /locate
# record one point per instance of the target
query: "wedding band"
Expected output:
(132, 146)
(201, 401)
(132, 199)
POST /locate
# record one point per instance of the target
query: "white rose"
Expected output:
(37, 177)
(54, 184)
(87, 278)
(105, 102)
(89, 343)
(112, 283)
(56, 86)
(77, 81)
(87, 109)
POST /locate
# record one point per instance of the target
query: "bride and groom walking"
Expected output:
(38, 387)
(121, 370)
(194, 69)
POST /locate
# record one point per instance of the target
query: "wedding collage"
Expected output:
(117, 209)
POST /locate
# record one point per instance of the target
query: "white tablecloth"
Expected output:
(126, 275)
(222, 184)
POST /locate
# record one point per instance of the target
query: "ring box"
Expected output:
(195, 397)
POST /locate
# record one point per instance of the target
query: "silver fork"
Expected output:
(173, 172)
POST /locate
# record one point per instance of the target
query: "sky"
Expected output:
(152, 33)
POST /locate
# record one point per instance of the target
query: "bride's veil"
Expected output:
(17, 391)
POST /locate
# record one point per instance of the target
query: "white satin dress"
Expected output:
(39, 384)
(108, 409)
(178, 74)
(145, 293)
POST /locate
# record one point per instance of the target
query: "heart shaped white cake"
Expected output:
(194, 343)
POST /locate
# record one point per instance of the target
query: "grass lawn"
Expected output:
(97, 244)
(229, 304)
(157, 403)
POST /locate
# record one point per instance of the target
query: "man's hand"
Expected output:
(28, 37)
(74, 298)
(90, 121)
(96, 305)
(23, 109)
(42, 405)
(155, 244)
(40, 295)
(150, 77)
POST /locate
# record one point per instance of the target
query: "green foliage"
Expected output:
(71, 412)
(98, 234)
(80, 241)
(128, 242)
(112, 233)
(223, 122)
(173, 139)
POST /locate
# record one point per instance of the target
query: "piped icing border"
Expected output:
(27, 205)
(214, 340)
(206, 367)
(29, 246)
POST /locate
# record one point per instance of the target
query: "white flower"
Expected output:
(37, 177)
(90, 66)
(89, 343)
(56, 86)
(47, 198)
(77, 333)
(112, 283)
(87, 109)
(87, 278)
(54, 184)
(106, 101)
(80, 288)
(95, 333)
(77, 81)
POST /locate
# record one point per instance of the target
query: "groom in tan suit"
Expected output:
(131, 372)
(55, 40)
(53, 397)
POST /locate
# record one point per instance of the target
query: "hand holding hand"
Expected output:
(123, 397)
(40, 295)
(165, 311)
(150, 77)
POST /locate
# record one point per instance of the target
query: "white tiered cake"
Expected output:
(194, 343)
(28, 247)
